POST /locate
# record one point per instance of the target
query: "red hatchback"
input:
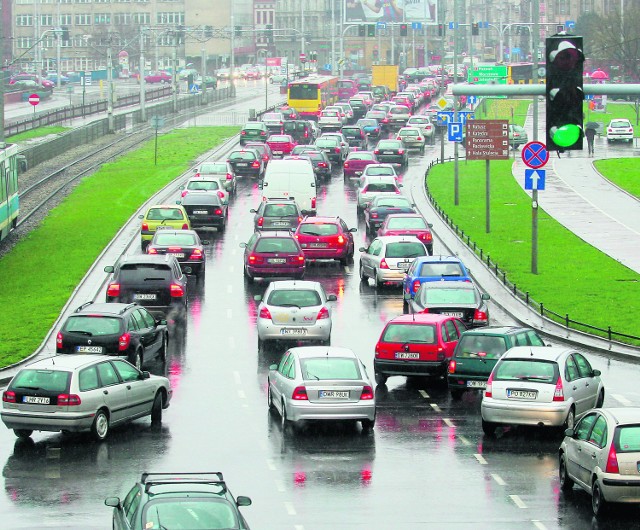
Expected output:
(416, 345)
(281, 144)
(356, 162)
(326, 238)
(273, 255)
(408, 224)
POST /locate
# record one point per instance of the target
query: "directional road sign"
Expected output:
(487, 140)
(534, 179)
(34, 99)
(195, 89)
(472, 100)
(416, 25)
(454, 131)
(535, 155)
(487, 75)
(381, 25)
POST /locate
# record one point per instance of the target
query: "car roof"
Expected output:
(404, 215)
(146, 258)
(399, 239)
(176, 232)
(275, 234)
(420, 318)
(70, 362)
(440, 258)
(306, 352)
(544, 353)
(497, 330)
(321, 219)
(623, 415)
(292, 285)
(92, 308)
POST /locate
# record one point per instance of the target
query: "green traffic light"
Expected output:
(566, 136)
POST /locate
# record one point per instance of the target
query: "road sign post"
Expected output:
(534, 155)
(34, 99)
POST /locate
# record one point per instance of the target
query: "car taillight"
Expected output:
(612, 460)
(479, 317)
(376, 151)
(255, 164)
(385, 120)
(488, 391)
(401, 151)
(176, 290)
(242, 133)
(9, 396)
(184, 193)
(452, 366)
(419, 138)
(218, 211)
(425, 236)
(113, 289)
(196, 254)
(415, 286)
(69, 400)
(323, 164)
(558, 394)
(323, 313)
(229, 176)
(374, 215)
(300, 394)
(383, 265)
(399, 138)
(341, 240)
(346, 165)
(262, 133)
(299, 220)
(336, 149)
(609, 129)
(123, 341)
(313, 203)
(306, 134)
(253, 259)
(197, 175)
(367, 392)
(298, 259)
(264, 313)
(145, 227)
(260, 221)
(59, 340)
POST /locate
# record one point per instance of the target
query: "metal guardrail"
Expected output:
(524, 296)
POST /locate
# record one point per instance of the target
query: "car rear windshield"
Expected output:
(372, 122)
(321, 368)
(419, 120)
(205, 185)
(93, 325)
(398, 110)
(48, 380)
(441, 269)
(279, 139)
(141, 272)
(253, 126)
(327, 142)
(165, 214)
(280, 210)
(380, 188)
(434, 295)
(303, 91)
(244, 155)
(471, 345)
(272, 116)
(199, 199)
(390, 144)
(273, 244)
(381, 171)
(620, 123)
(409, 133)
(423, 333)
(393, 202)
(294, 298)
(361, 156)
(527, 370)
(406, 222)
(405, 249)
(183, 240)
(218, 167)
(318, 229)
(191, 512)
(627, 439)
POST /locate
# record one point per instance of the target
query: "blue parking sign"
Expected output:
(454, 131)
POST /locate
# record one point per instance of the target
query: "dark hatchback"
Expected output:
(125, 330)
(184, 245)
(462, 300)
(300, 130)
(271, 255)
(205, 210)
(377, 211)
(254, 131)
(320, 162)
(277, 215)
(355, 135)
(155, 282)
(392, 152)
(247, 162)
(359, 108)
(479, 350)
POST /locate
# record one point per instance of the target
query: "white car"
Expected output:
(619, 129)
(273, 121)
(380, 170)
(370, 187)
(388, 258)
(348, 111)
(422, 122)
(330, 119)
(411, 138)
(210, 184)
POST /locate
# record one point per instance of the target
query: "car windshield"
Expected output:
(294, 298)
(206, 185)
(276, 244)
(141, 272)
(383, 171)
(189, 512)
(527, 370)
(392, 202)
(627, 439)
(318, 229)
(322, 368)
(92, 325)
(361, 156)
(242, 155)
(405, 249)
(422, 333)
(435, 295)
(216, 167)
(471, 345)
(380, 187)
(165, 214)
(184, 240)
(619, 123)
(406, 222)
(49, 380)
(441, 269)
(280, 210)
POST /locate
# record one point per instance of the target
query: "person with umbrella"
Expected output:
(590, 133)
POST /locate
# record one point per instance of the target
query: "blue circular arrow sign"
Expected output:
(535, 155)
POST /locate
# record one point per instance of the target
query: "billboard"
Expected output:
(394, 11)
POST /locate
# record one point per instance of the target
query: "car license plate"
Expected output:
(178, 255)
(334, 394)
(276, 260)
(317, 245)
(386, 152)
(522, 394)
(293, 331)
(404, 265)
(201, 212)
(407, 355)
(144, 296)
(358, 172)
(280, 223)
(242, 164)
(163, 227)
(476, 384)
(36, 400)
(277, 152)
(457, 314)
(89, 349)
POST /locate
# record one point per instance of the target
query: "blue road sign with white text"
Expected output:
(534, 179)
(454, 131)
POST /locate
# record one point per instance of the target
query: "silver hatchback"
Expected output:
(388, 258)
(321, 383)
(71, 393)
(537, 385)
(294, 310)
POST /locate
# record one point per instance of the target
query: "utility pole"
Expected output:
(456, 168)
(58, 34)
(110, 86)
(232, 58)
(3, 72)
(333, 37)
(302, 35)
(143, 87)
(174, 71)
(535, 14)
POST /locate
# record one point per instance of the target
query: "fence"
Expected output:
(501, 275)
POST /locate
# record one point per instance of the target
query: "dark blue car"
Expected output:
(433, 269)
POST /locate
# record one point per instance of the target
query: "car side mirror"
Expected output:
(114, 502)
(362, 249)
(596, 373)
(205, 242)
(253, 210)
(262, 185)
(109, 268)
(243, 501)
(273, 367)
(243, 245)
(194, 170)
(145, 375)
(178, 202)
(430, 225)
(313, 185)
(485, 296)
(181, 188)
(400, 186)
(331, 298)
(258, 298)
(353, 229)
(569, 433)
(141, 216)
(161, 322)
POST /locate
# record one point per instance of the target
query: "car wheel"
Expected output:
(283, 416)
(570, 422)
(156, 409)
(598, 502)
(381, 379)
(136, 359)
(270, 398)
(23, 433)
(363, 276)
(247, 276)
(600, 400)
(143, 246)
(326, 342)
(456, 394)
(201, 274)
(162, 354)
(566, 484)
(100, 426)
(489, 428)
(405, 307)
(377, 281)
(367, 425)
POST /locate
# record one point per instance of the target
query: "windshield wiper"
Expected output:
(79, 332)
(152, 279)
(309, 374)
(290, 305)
(28, 387)
(312, 234)
(532, 378)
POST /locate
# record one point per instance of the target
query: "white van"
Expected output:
(291, 179)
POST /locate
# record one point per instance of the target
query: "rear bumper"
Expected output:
(360, 410)
(620, 488)
(325, 253)
(524, 413)
(401, 367)
(273, 272)
(54, 421)
(321, 330)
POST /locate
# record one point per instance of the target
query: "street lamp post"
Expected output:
(143, 109)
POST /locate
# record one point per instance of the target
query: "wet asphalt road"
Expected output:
(426, 465)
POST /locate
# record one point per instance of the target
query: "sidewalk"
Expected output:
(588, 204)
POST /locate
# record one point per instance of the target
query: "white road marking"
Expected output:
(464, 440)
(290, 509)
(622, 400)
(423, 394)
(448, 422)
(435, 407)
(518, 501)
(480, 459)
(232, 268)
(498, 479)
(229, 313)
(539, 525)
(347, 269)
(236, 377)
(271, 465)
(241, 394)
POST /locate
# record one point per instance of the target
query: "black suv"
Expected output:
(125, 330)
(247, 162)
(300, 130)
(205, 210)
(154, 281)
(277, 214)
(179, 500)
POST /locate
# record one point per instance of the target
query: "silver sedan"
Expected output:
(388, 258)
(321, 383)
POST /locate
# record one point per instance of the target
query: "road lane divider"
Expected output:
(229, 313)
(464, 440)
(423, 394)
(518, 501)
(538, 525)
(448, 422)
(271, 465)
(290, 509)
(435, 407)
(498, 479)
(481, 459)
(622, 400)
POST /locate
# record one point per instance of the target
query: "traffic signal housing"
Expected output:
(404, 30)
(361, 30)
(371, 30)
(564, 93)
(440, 30)
(475, 29)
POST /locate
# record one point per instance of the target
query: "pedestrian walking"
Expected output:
(590, 133)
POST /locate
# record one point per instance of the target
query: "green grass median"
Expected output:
(42, 270)
(623, 172)
(574, 277)
(514, 110)
(37, 133)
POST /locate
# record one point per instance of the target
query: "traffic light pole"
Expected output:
(535, 10)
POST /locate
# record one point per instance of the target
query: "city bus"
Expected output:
(9, 201)
(312, 94)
